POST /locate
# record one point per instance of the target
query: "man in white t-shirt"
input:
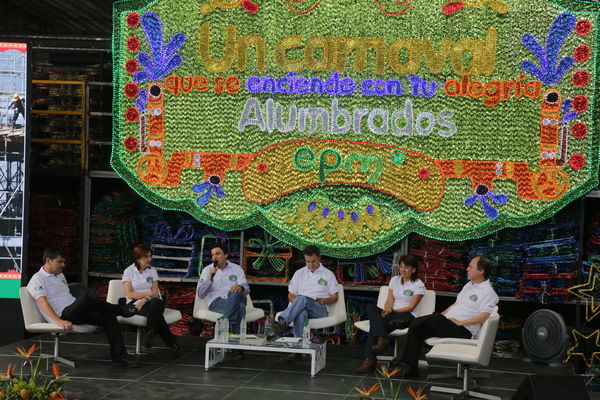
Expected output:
(463, 319)
(224, 285)
(311, 290)
(49, 288)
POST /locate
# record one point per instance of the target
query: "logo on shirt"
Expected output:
(473, 297)
(233, 277)
(149, 279)
(408, 292)
(322, 281)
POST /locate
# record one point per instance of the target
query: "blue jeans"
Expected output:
(233, 307)
(301, 310)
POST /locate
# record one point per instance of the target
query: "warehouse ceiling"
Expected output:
(56, 17)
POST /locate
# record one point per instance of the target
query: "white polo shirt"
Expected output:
(140, 281)
(321, 283)
(473, 300)
(404, 292)
(54, 288)
(223, 280)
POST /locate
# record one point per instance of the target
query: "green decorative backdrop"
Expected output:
(349, 124)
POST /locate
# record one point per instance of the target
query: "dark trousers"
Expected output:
(381, 326)
(153, 310)
(86, 309)
(433, 325)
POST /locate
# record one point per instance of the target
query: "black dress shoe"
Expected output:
(127, 361)
(126, 311)
(278, 329)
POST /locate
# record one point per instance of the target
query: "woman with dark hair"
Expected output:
(401, 307)
(140, 283)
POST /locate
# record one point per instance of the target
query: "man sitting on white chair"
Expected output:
(226, 287)
(49, 288)
(462, 319)
(311, 289)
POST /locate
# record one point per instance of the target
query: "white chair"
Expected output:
(467, 352)
(201, 310)
(336, 314)
(432, 341)
(427, 307)
(116, 291)
(36, 323)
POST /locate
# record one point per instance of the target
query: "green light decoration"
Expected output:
(351, 124)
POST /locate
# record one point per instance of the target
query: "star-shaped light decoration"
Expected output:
(586, 347)
(590, 292)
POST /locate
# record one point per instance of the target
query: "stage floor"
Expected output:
(258, 376)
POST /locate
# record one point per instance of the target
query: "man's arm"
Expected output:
(49, 311)
(476, 320)
(205, 282)
(291, 297)
(327, 300)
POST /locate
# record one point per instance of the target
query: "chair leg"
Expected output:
(465, 392)
(447, 374)
(138, 339)
(55, 356)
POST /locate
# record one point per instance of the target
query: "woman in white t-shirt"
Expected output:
(140, 283)
(401, 307)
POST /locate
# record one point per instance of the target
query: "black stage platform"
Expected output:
(258, 376)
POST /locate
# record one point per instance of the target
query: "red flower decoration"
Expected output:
(582, 53)
(132, 114)
(580, 103)
(131, 89)
(133, 19)
(262, 167)
(581, 78)
(579, 130)
(577, 161)
(452, 7)
(133, 44)
(131, 143)
(131, 66)
(583, 27)
(424, 173)
(250, 6)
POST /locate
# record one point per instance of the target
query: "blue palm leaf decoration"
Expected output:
(162, 59)
(548, 71)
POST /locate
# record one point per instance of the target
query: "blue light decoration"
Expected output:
(548, 72)
(164, 59)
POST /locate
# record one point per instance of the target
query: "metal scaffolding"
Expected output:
(13, 70)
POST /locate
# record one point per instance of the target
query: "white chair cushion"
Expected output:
(252, 314)
(399, 332)
(139, 320)
(364, 325)
(47, 327)
(432, 341)
(207, 315)
(467, 342)
(461, 353)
